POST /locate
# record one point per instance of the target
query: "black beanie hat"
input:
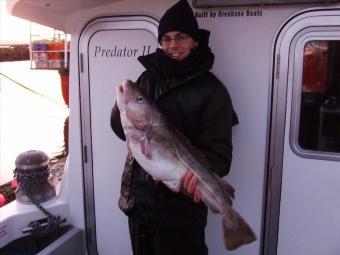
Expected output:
(179, 17)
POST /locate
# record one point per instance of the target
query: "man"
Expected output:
(178, 79)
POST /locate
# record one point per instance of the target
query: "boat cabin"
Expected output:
(280, 61)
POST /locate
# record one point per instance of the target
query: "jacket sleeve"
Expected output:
(215, 136)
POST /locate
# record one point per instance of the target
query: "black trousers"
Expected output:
(151, 239)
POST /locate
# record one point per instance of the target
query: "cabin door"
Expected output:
(108, 52)
(303, 205)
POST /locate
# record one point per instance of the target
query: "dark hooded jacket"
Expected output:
(197, 104)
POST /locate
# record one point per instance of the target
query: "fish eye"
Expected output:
(140, 99)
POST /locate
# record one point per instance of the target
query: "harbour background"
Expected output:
(31, 117)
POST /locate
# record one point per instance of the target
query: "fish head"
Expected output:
(137, 109)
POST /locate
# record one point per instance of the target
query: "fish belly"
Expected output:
(163, 166)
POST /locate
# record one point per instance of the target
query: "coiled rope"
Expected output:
(26, 179)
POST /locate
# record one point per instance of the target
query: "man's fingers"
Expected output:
(197, 196)
(186, 180)
(189, 186)
(192, 185)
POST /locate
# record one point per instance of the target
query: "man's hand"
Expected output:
(189, 186)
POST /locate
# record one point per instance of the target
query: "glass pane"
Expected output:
(320, 97)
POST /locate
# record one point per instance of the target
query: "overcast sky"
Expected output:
(13, 29)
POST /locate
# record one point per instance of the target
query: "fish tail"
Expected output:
(236, 232)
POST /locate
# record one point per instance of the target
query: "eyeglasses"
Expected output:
(166, 40)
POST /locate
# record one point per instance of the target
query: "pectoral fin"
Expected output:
(145, 147)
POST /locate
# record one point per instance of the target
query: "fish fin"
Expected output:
(211, 203)
(236, 231)
(145, 147)
(227, 190)
(173, 185)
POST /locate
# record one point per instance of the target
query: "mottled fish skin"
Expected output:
(166, 155)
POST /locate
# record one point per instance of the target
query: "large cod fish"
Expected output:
(166, 155)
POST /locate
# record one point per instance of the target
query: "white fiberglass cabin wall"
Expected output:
(280, 64)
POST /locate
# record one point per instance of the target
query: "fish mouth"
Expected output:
(123, 91)
(124, 87)
(121, 97)
(120, 89)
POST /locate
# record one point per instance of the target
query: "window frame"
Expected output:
(297, 59)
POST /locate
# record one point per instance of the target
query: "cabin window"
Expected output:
(319, 128)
